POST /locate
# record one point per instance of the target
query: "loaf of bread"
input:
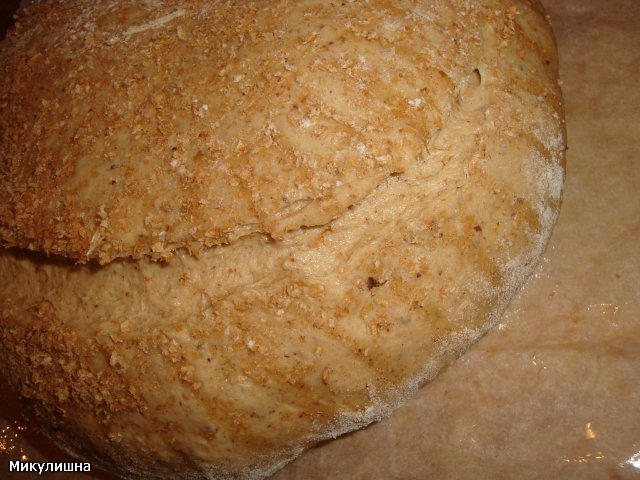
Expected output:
(231, 230)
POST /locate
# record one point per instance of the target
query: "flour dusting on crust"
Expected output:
(232, 230)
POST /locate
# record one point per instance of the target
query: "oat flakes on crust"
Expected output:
(349, 193)
(221, 122)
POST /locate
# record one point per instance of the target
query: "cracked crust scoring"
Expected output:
(345, 196)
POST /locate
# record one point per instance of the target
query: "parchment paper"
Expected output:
(554, 392)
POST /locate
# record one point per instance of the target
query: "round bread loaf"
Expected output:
(234, 229)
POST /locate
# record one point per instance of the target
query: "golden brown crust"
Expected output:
(421, 144)
(174, 149)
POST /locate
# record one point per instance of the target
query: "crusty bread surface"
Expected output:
(231, 230)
